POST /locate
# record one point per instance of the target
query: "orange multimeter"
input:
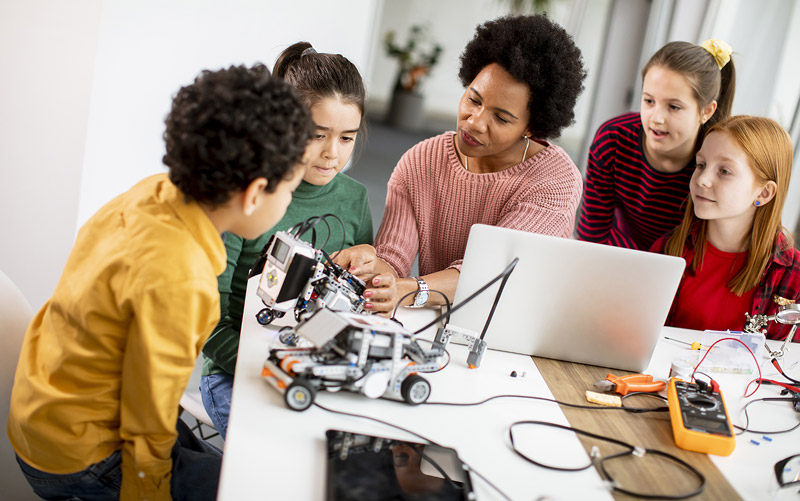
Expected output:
(700, 420)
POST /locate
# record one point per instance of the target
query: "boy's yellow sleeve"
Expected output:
(170, 324)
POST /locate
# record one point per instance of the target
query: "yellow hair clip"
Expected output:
(720, 50)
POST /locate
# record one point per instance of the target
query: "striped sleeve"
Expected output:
(599, 198)
(627, 202)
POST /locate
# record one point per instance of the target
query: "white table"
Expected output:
(272, 452)
(749, 468)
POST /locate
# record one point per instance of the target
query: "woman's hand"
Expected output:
(381, 294)
(385, 290)
(359, 260)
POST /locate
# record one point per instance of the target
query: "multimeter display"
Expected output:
(706, 425)
(701, 411)
(699, 419)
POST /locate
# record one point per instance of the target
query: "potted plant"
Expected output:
(416, 58)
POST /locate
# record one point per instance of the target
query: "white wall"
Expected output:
(452, 24)
(87, 84)
(767, 71)
(47, 52)
(147, 49)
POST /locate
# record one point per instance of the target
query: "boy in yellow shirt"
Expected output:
(104, 362)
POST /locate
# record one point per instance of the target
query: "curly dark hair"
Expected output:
(537, 52)
(230, 127)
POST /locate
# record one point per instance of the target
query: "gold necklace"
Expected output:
(527, 144)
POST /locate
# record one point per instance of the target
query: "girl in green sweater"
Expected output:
(332, 87)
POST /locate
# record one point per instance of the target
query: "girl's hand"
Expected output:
(359, 260)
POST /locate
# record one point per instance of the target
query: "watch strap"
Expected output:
(421, 298)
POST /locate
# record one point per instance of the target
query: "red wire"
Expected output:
(789, 387)
(778, 366)
(751, 354)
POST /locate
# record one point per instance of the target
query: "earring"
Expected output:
(758, 203)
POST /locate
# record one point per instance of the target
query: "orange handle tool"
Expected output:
(635, 382)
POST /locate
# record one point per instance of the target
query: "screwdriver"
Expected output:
(695, 345)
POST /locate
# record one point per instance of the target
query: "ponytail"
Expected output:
(727, 88)
(317, 76)
(289, 57)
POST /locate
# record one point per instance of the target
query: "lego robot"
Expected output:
(366, 354)
(296, 276)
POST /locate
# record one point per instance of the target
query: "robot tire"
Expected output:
(299, 395)
(415, 389)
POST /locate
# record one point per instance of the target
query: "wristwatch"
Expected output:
(421, 299)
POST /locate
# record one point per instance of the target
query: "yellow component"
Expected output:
(606, 399)
(706, 431)
(696, 345)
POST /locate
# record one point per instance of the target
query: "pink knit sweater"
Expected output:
(432, 203)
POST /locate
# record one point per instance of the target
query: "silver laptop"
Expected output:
(566, 299)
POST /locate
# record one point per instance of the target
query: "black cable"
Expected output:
(446, 302)
(423, 437)
(777, 365)
(397, 305)
(295, 228)
(504, 275)
(694, 471)
(636, 410)
(433, 463)
(601, 462)
(323, 244)
(311, 222)
(746, 428)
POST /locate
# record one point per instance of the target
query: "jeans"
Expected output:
(195, 474)
(216, 389)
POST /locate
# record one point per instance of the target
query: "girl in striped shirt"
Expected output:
(639, 166)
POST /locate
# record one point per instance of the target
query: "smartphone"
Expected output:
(364, 468)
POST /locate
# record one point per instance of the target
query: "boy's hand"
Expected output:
(359, 260)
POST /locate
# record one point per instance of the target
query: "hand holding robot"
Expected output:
(348, 350)
(296, 276)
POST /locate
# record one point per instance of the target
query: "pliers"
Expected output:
(630, 383)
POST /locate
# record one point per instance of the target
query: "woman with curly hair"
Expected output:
(522, 76)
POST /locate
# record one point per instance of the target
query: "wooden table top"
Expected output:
(569, 381)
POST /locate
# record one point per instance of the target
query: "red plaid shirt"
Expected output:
(781, 278)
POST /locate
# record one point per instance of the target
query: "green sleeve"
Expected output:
(222, 346)
(364, 235)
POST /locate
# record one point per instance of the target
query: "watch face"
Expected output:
(421, 298)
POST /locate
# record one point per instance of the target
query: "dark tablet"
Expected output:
(365, 468)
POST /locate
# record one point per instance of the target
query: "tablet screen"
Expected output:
(364, 468)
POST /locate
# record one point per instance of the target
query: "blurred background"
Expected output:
(86, 85)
